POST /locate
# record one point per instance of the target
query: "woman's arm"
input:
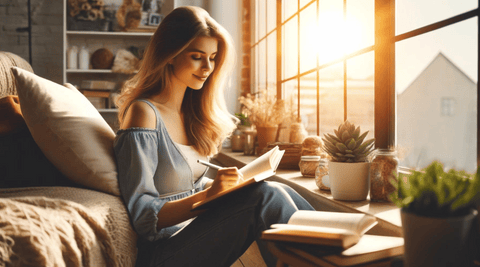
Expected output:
(176, 211)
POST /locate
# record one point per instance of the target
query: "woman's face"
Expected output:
(193, 65)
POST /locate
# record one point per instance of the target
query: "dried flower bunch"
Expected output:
(347, 145)
(265, 110)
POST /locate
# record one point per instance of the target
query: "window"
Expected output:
(448, 106)
(383, 65)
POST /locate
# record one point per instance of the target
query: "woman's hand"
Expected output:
(226, 178)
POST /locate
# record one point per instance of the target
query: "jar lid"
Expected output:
(310, 158)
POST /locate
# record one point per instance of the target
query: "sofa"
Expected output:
(59, 198)
(60, 203)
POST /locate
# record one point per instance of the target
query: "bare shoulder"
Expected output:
(139, 114)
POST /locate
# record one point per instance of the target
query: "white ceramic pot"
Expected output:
(349, 181)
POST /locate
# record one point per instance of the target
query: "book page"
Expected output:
(263, 166)
(355, 222)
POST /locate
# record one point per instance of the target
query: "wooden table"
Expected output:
(289, 258)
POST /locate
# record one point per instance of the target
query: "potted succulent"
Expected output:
(349, 170)
(438, 212)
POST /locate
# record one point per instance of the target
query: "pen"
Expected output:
(208, 164)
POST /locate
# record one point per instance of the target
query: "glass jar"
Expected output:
(308, 165)
(320, 173)
(383, 170)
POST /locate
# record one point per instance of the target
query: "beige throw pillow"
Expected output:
(69, 131)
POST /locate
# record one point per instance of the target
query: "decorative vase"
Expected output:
(265, 135)
(297, 133)
(72, 58)
(237, 141)
(83, 59)
(436, 242)
(349, 181)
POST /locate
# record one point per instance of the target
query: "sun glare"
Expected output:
(332, 37)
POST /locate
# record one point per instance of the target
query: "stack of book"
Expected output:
(334, 238)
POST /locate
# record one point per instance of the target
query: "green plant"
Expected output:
(432, 192)
(348, 145)
(243, 119)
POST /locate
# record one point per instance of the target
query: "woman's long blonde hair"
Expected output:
(207, 121)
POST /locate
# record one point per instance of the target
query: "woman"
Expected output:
(171, 114)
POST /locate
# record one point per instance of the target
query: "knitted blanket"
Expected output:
(40, 231)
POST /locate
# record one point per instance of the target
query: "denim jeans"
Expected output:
(219, 236)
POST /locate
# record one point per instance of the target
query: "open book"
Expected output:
(339, 229)
(258, 170)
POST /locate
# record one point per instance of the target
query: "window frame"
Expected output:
(384, 53)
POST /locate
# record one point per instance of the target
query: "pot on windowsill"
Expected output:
(432, 241)
(349, 181)
(349, 171)
(439, 219)
(265, 135)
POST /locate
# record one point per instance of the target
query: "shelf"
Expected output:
(92, 71)
(108, 110)
(100, 33)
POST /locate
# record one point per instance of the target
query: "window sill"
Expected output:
(387, 214)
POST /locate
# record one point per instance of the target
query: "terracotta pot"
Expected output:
(437, 241)
(349, 181)
(265, 135)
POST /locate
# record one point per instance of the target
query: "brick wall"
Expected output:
(246, 44)
(47, 38)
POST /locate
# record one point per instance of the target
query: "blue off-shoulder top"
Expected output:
(152, 171)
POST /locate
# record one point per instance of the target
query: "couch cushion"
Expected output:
(23, 163)
(69, 131)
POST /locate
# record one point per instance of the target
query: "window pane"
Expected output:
(290, 48)
(412, 14)
(359, 27)
(271, 15)
(331, 98)
(272, 62)
(360, 93)
(330, 32)
(262, 19)
(431, 67)
(308, 38)
(289, 8)
(308, 102)
(290, 94)
(257, 10)
(255, 69)
(262, 65)
(289, 90)
(304, 2)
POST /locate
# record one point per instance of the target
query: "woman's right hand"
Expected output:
(226, 178)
